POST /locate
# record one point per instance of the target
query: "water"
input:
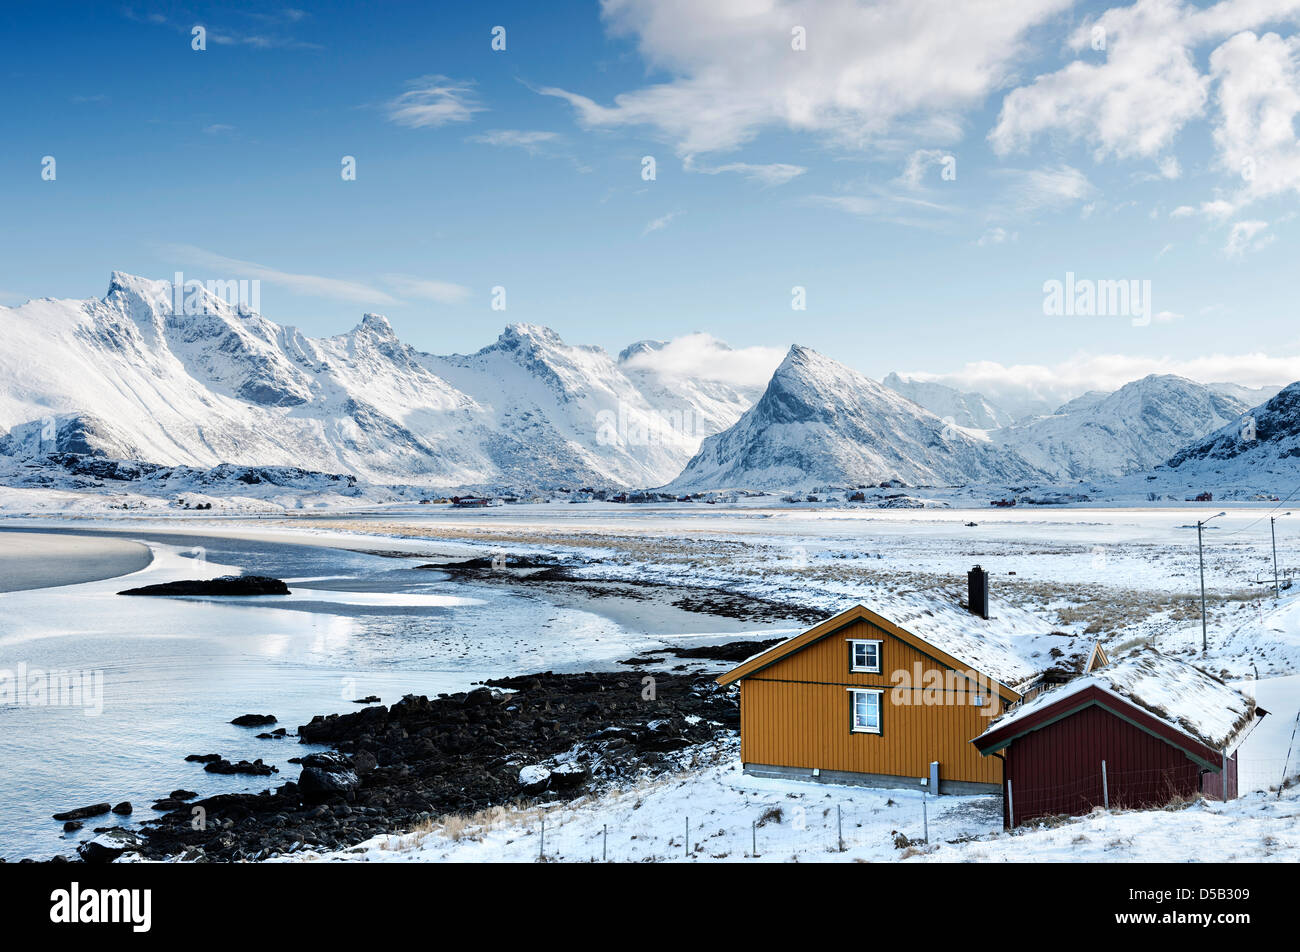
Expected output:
(175, 671)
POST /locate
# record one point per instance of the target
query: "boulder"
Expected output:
(316, 783)
(109, 845)
(84, 813)
(253, 720)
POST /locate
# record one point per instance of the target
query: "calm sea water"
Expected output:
(175, 671)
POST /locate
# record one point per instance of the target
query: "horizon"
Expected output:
(934, 185)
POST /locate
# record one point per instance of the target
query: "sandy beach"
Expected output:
(43, 560)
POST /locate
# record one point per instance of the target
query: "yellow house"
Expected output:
(866, 699)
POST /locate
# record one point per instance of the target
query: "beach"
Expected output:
(44, 560)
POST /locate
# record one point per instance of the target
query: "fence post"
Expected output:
(604, 844)
(839, 826)
(1105, 787)
(1011, 807)
(541, 849)
(688, 837)
(753, 838)
(925, 818)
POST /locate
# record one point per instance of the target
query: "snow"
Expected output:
(728, 814)
(1133, 429)
(1011, 645)
(132, 378)
(820, 423)
(1178, 693)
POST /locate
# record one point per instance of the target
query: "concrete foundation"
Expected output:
(849, 778)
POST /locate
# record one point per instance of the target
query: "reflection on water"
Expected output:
(176, 670)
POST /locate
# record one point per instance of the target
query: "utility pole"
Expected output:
(1200, 550)
(1272, 528)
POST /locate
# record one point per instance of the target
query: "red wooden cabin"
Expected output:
(1136, 733)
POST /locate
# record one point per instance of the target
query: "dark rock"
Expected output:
(109, 845)
(317, 784)
(123, 808)
(394, 767)
(256, 768)
(372, 699)
(226, 585)
(203, 758)
(84, 813)
(253, 720)
(72, 826)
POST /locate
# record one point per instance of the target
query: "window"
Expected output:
(866, 711)
(864, 656)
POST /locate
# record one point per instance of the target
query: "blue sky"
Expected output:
(777, 167)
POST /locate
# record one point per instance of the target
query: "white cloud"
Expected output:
(997, 236)
(704, 357)
(1258, 98)
(1046, 188)
(771, 174)
(434, 101)
(660, 223)
(1083, 372)
(310, 284)
(1245, 236)
(868, 72)
(919, 166)
(530, 141)
(444, 292)
(1132, 99)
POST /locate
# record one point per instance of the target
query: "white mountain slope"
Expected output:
(820, 423)
(1133, 429)
(970, 410)
(127, 377)
(1268, 448)
(556, 399)
(705, 406)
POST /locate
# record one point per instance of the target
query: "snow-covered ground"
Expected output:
(730, 817)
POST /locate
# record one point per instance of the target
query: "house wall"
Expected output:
(797, 713)
(1057, 768)
(1211, 783)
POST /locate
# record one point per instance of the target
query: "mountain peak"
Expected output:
(516, 334)
(376, 324)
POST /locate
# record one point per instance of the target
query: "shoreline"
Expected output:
(35, 560)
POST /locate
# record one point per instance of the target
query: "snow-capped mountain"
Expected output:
(1133, 429)
(133, 376)
(820, 423)
(1259, 443)
(969, 410)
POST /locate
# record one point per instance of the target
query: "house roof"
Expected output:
(1009, 646)
(1174, 693)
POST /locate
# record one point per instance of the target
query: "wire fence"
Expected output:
(812, 826)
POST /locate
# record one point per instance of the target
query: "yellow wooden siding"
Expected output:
(796, 713)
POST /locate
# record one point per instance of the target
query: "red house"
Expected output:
(1138, 732)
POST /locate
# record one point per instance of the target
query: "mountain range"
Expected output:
(134, 376)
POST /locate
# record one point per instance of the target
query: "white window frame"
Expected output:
(853, 710)
(854, 667)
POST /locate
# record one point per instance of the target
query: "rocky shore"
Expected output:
(539, 736)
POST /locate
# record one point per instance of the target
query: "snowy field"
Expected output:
(1125, 576)
(730, 817)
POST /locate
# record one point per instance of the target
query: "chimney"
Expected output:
(977, 588)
